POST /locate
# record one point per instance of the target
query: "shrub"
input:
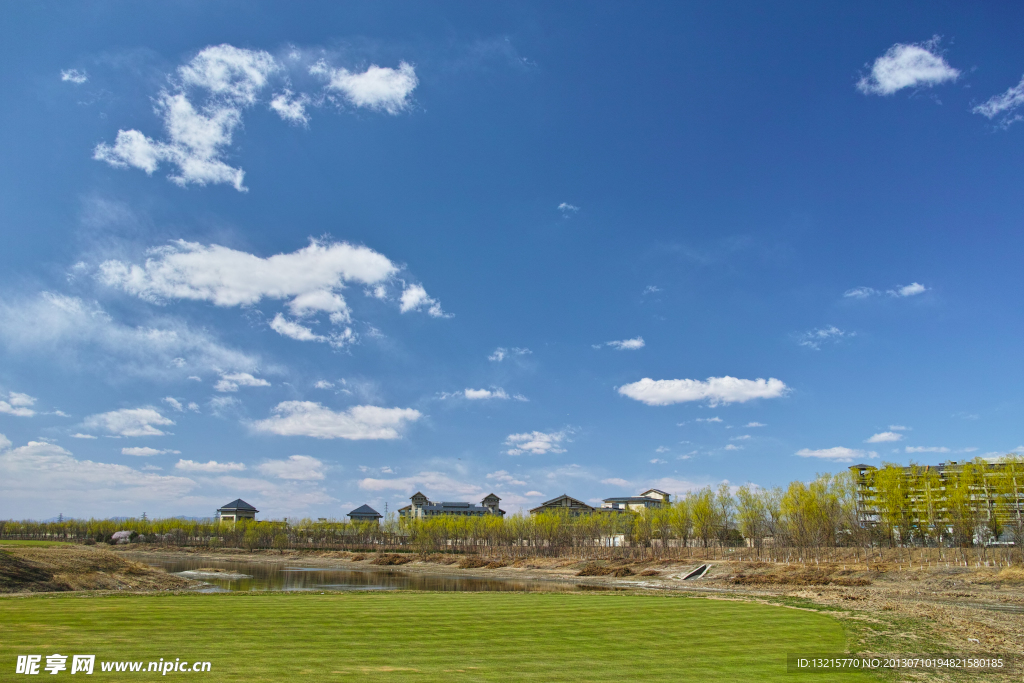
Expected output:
(391, 559)
(472, 563)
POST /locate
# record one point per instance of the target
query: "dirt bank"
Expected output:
(33, 570)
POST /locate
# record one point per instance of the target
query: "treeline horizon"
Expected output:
(969, 505)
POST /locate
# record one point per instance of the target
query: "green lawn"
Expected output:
(424, 636)
(33, 544)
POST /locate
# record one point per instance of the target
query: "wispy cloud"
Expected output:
(884, 437)
(306, 418)
(813, 339)
(74, 76)
(838, 453)
(537, 443)
(211, 467)
(145, 451)
(568, 209)
(926, 449)
(633, 344)
(501, 353)
(1004, 106)
(899, 291)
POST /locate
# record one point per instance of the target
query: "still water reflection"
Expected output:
(256, 576)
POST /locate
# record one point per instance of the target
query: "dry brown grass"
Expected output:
(472, 562)
(598, 570)
(388, 559)
(78, 568)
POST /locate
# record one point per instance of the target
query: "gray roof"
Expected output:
(237, 505)
(364, 511)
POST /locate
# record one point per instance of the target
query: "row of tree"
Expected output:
(962, 505)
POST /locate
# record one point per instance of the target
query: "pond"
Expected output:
(227, 575)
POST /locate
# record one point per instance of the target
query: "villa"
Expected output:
(651, 498)
(422, 507)
(364, 513)
(563, 503)
(236, 510)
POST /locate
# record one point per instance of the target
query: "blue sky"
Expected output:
(327, 257)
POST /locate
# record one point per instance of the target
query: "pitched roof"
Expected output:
(238, 504)
(364, 510)
(572, 501)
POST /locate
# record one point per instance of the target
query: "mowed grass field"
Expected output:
(34, 544)
(417, 637)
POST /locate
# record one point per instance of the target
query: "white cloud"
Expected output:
(305, 418)
(501, 353)
(651, 289)
(145, 451)
(227, 277)
(913, 289)
(884, 437)
(231, 382)
(815, 338)
(229, 72)
(899, 292)
(483, 394)
(73, 331)
(221, 405)
(38, 477)
(310, 279)
(733, 447)
(204, 101)
(294, 330)
(1004, 105)
(378, 88)
(742, 437)
(615, 481)
(74, 76)
(658, 461)
(296, 467)
(714, 390)
(907, 66)
(715, 419)
(838, 453)
(83, 436)
(197, 138)
(211, 467)
(567, 209)
(414, 298)
(290, 107)
(534, 494)
(18, 405)
(537, 443)
(898, 428)
(173, 403)
(323, 384)
(193, 406)
(661, 449)
(5, 443)
(503, 477)
(755, 424)
(433, 482)
(926, 449)
(129, 422)
(627, 344)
